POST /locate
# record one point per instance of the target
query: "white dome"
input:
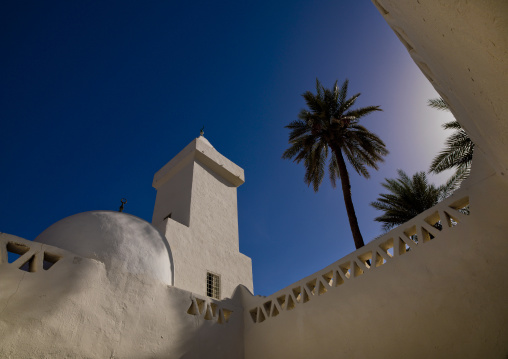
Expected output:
(124, 243)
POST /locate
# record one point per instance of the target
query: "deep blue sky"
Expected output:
(96, 96)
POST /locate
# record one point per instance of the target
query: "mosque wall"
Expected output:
(443, 297)
(77, 309)
(462, 48)
(208, 241)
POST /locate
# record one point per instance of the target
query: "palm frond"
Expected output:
(407, 197)
(438, 104)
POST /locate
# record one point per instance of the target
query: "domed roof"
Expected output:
(124, 243)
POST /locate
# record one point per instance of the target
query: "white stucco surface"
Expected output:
(462, 48)
(77, 309)
(198, 187)
(444, 298)
(124, 243)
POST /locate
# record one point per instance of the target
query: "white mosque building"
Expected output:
(105, 284)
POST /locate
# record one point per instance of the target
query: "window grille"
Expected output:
(212, 285)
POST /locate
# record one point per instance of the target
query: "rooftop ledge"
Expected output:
(405, 238)
(201, 150)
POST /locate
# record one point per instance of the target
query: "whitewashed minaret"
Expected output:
(196, 209)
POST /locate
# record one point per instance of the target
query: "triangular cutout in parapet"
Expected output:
(345, 268)
(338, 279)
(261, 316)
(254, 314)
(291, 303)
(306, 297)
(15, 251)
(201, 305)
(312, 286)
(282, 301)
(267, 306)
(49, 260)
(387, 247)
(227, 314)
(275, 311)
(29, 265)
(208, 313)
(328, 277)
(213, 307)
(297, 292)
(193, 309)
(357, 270)
(366, 258)
(434, 220)
(321, 288)
(380, 259)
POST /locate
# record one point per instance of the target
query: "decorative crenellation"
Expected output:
(422, 229)
(26, 257)
(210, 310)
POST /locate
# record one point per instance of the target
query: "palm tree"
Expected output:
(458, 151)
(328, 131)
(407, 198)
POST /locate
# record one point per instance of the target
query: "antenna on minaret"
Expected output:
(124, 201)
(202, 132)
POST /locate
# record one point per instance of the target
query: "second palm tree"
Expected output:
(329, 130)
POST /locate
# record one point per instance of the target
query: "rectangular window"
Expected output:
(212, 285)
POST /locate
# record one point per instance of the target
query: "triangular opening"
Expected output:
(426, 235)
(345, 268)
(357, 269)
(193, 309)
(380, 260)
(214, 307)
(208, 314)
(305, 296)
(253, 314)
(267, 306)
(366, 258)
(434, 220)
(275, 311)
(387, 247)
(338, 279)
(201, 305)
(312, 286)
(297, 292)
(402, 245)
(261, 316)
(328, 277)
(322, 288)
(49, 260)
(453, 220)
(282, 301)
(15, 250)
(29, 265)
(291, 303)
(227, 314)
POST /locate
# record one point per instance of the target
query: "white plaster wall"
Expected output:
(445, 298)
(214, 213)
(174, 196)
(76, 310)
(462, 48)
(208, 181)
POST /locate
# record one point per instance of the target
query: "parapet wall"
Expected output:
(441, 294)
(55, 304)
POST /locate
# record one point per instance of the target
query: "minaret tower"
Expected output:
(196, 209)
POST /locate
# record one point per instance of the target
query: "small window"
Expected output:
(212, 285)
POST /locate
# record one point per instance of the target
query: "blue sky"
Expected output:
(97, 96)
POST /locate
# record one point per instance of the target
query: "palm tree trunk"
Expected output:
(346, 191)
